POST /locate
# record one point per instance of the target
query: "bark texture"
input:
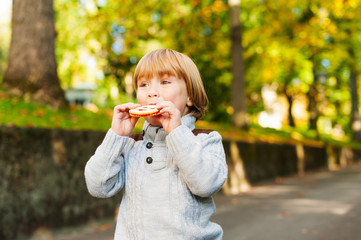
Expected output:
(238, 91)
(32, 68)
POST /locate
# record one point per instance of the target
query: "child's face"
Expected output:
(163, 88)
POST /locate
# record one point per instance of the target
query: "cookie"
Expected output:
(144, 111)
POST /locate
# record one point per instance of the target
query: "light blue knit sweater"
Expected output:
(168, 180)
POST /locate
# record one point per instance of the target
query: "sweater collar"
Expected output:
(158, 133)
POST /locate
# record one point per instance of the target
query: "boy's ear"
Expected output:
(189, 102)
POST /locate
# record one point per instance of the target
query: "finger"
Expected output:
(134, 120)
(164, 104)
(129, 105)
(125, 107)
(134, 105)
(169, 109)
(167, 113)
(166, 107)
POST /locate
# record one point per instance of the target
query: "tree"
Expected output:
(32, 68)
(355, 120)
(118, 34)
(347, 20)
(238, 92)
(355, 115)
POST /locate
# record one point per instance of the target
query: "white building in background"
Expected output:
(81, 94)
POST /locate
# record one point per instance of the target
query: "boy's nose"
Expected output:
(153, 92)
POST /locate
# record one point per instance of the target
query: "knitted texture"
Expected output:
(169, 181)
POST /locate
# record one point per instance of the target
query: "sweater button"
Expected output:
(149, 160)
(149, 145)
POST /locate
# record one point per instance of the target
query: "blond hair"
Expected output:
(166, 61)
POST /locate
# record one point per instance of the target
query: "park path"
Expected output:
(320, 205)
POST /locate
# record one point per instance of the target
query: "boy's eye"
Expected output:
(143, 84)
(165, 82)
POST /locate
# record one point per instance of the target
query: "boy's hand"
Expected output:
(170, 117)
(122, 123)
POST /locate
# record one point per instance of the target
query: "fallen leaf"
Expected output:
(102, 227)
(286, 213)
(280, 180)
(11, 125)
(24, 112)
(40, 113)
(300, 195)
(3, 96)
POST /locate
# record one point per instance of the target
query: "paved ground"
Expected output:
(322, 205)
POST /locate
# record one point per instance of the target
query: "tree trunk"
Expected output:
(289, 94)
(238, 83)
(291, 120)
(32, 68)
(312, 105)
(355, 115)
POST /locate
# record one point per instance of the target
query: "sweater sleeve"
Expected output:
(200, 159)
(105, 170)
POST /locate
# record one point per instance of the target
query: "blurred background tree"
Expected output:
(238, 92)
(32, 68)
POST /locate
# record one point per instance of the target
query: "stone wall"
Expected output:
(249, 163)
(42, 180)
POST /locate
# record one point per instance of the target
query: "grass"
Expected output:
(15, 112)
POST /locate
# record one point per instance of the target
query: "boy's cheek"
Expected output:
(140, 99)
